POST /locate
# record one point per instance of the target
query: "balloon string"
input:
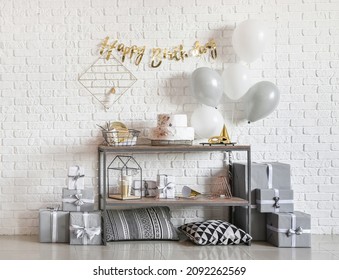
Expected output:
(232, 120)
(276, 43)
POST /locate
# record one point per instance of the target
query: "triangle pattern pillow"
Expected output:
(215, 232)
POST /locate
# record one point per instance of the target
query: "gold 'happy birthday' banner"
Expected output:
(158, 54)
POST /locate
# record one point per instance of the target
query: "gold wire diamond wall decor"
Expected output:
(107, 80)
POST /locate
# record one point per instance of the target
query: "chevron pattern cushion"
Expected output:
(215, 232)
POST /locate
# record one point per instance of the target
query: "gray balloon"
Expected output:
(261, 100)
(207, 87)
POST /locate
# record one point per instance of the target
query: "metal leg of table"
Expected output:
(249, 192)
(104, 194)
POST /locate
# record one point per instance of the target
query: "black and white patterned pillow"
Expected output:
(215, 232)
(140, 224)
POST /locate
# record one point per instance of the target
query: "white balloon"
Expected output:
(236, 80)
(249, 39)
(206, 86)
(207, 121)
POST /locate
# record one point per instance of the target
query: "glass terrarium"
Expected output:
(122, 174)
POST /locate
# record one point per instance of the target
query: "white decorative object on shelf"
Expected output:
(168, 120)
(172, 128)
(166, 186)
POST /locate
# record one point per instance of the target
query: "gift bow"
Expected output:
(79, 201)
(297, 231)
(82, 232)
(53, 208)
(276, 202)
(169, 186)
(292, 232)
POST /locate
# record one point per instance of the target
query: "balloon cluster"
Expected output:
(207, 87)
(249, 41)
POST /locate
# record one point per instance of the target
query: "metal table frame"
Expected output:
(103, 151)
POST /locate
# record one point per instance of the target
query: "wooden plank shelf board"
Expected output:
(201, 201)
(171, 148)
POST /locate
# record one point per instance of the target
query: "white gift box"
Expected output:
(76, 178)
(163, 180)
(138, 188)
(168, 191)
(166, 186)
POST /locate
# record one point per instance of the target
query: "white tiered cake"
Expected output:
(172, 129)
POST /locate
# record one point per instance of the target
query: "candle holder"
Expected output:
(121, 173)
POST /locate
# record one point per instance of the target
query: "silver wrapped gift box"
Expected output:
(85, 228)
(78, 200)
(289, 229)
(53, 226)
(263, 176)
(274, 200)
(258, 222)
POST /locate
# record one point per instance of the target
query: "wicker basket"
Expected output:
(121, 138)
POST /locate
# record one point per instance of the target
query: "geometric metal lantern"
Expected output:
(122, 173)
(107, 80)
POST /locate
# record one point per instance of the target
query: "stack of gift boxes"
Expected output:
(77, 222)
(272, 208)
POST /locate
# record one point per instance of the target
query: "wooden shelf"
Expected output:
(202, 201)
(171, 148)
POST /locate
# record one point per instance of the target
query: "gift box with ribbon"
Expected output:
(78, 200)
(76, 180)
(53, 225)
(85, 228)
(166, 186)
(139, 188)
(274, 200)
(263, 176)
(289, 229)
(145, 188)
(258, 222)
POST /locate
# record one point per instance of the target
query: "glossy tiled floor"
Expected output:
(27, 247)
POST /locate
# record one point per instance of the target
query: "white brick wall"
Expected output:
(48, 121)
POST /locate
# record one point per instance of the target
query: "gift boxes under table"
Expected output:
(289, 229)
(85, 228)
(78, 200)
(274, 200)
(53, 226)
(263, 176)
